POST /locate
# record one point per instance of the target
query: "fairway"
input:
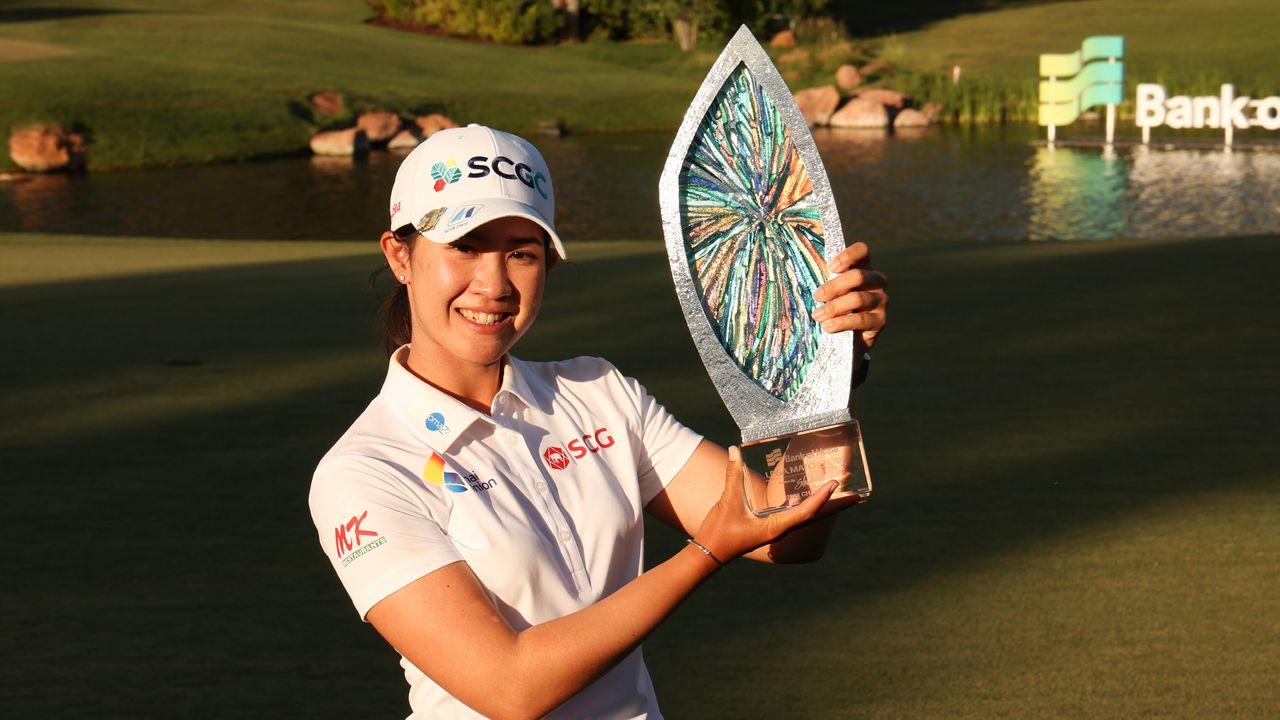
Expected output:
(1076, 511)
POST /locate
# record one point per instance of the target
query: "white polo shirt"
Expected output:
(543, 499)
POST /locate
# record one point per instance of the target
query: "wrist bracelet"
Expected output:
(705, 551)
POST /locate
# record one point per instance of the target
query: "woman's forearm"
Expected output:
(559, 658)
(542, 666)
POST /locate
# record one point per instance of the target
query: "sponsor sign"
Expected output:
(1224, 111)
(1074, 82)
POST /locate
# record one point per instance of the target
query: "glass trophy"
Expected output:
(750, 223)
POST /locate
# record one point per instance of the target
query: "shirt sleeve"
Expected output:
(376, 535)
(666, 444)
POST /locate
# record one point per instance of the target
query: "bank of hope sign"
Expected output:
(1094, 75)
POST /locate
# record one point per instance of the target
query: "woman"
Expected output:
(486, 514)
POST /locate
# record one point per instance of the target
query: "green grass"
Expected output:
(1191, 46)
(159, 83)
(201, 81)
(1073, 448)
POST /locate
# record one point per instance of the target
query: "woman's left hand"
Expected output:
(855, 299)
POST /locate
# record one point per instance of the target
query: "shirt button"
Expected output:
(564, 535)
(542, 487)
(513, 439)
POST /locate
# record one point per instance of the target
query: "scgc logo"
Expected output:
(505, 167)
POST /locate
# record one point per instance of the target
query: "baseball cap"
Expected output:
(461, 178)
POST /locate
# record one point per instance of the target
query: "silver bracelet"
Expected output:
(707, 552)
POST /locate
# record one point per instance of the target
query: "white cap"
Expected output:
(461, 178)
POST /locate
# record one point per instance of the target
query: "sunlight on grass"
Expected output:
(33, 259)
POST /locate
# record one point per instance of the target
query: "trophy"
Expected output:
(750, 223)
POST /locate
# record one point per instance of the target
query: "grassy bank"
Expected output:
(157, 83)
(1072, 444)
(1191, 46)
(160, 84)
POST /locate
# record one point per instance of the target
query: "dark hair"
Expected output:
(395, 322)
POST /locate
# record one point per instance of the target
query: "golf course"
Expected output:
(1076, 510)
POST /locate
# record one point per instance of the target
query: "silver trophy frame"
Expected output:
(823, 397)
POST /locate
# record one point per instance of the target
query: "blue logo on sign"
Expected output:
(435, 423)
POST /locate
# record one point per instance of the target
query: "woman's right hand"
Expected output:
(731, 529)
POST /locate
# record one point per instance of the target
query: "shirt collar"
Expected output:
(437, 417)
(429, 409)
(522, 384)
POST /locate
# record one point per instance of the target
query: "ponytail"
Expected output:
(395, 321)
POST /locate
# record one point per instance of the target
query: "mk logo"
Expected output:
(347, 537)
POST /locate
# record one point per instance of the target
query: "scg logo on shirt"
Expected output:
(558, 459)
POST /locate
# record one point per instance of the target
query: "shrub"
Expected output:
(504, 21)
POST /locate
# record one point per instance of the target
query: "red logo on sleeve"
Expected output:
(350, 535)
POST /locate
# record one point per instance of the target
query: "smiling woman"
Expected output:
(486, 512)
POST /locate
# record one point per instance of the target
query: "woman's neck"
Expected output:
(472, 385)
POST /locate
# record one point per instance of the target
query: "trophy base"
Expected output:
(794, 466)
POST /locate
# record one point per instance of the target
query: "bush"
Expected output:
(504, 21)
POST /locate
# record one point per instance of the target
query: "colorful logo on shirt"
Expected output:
(435, 474)
(435, 423)
(352, 540)
(579, 447)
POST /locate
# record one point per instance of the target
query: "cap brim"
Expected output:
(457, 221)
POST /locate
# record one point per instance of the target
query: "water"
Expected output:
(937, 184)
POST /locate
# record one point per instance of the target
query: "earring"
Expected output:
(401, 278)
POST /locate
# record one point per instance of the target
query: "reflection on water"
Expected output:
(977, 183)
(1077, 194)
(1085, 194)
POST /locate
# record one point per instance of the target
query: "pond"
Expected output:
(944, 183)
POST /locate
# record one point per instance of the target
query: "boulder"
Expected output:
(817, 103)
(909, 118)
(861, 113)
(340, 142)
(406, 138)
(848, 77)
(932, 111)
(327, 102)
(48, 148)
(379, 125)
(433, 123)
(784, 39)
(795, 57)
(885, 96)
